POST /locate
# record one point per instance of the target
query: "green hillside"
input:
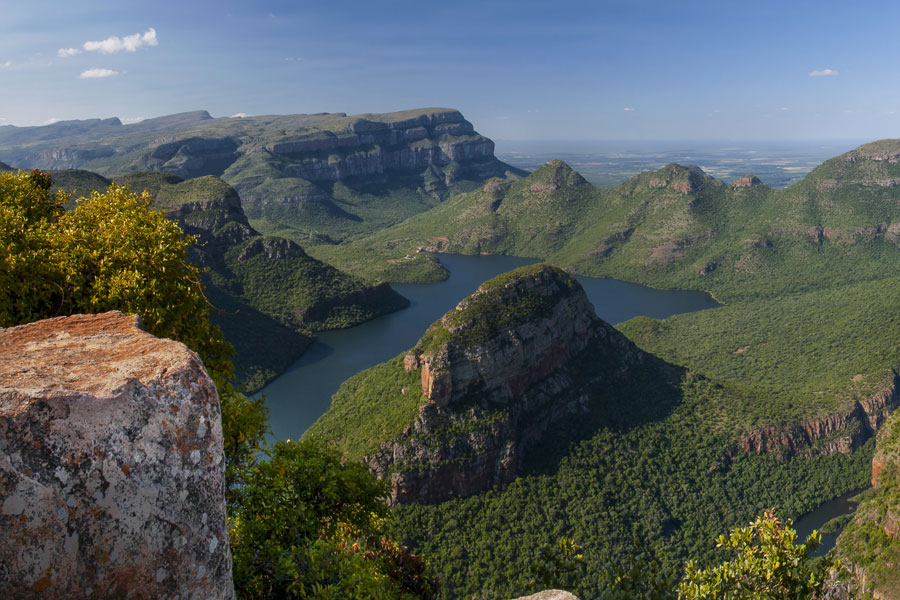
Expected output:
(269, 294)
(671, 228)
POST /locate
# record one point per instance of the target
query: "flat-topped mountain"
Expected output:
(458, 413)
(327, 175)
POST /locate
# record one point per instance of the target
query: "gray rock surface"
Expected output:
(549, 595)
(111, 464)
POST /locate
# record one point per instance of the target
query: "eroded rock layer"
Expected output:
(523, 352)
(111, 464)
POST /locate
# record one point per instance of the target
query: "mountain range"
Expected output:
(519, 416)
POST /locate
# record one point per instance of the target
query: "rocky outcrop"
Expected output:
(272, 248)
(684, 180)
(523, 352)
(746, 181)
(111, 465)
(840, 432)
(550, 595)
(207, 217)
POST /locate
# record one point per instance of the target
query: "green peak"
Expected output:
(500, 303)
(555, 174)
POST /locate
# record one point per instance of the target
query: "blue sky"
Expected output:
(517, 70)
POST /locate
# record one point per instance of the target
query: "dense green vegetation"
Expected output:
(671, 228)
(871, 541)
(269, 293)
(622, 483)
(371, 407)
(801, 356)
(652, 470)
(309, 525)
(110, 253)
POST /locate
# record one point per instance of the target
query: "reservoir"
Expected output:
(842, 505)
(300, 395)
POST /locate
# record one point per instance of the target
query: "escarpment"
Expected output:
(522, 353)
(869, 547)
(111, 464)
(842, 432)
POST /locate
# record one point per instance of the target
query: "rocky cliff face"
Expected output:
(518, 355)
(870, 545)
(841, 432)
(112, 467)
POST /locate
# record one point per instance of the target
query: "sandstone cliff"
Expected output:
(112, 467)
(840, 432)
(523, 352)
(323, 174)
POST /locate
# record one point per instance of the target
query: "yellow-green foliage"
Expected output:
(112, 252)
(767, 564)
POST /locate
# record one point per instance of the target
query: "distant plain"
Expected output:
(609, 163)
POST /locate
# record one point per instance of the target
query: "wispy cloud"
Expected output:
(132, 120)
(67, 52)
(6, 64)
(823, 73)
(97, 74)
(628, 109)
(294, 58)
(784, 108)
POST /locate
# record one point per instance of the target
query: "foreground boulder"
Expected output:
(111, 464)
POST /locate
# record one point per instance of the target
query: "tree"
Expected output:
(767, 565)
(112, 252)
(308, 524)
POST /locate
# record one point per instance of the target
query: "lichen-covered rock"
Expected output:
(111, 464)
(550, 595)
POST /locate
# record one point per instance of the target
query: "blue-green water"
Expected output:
(299, 396)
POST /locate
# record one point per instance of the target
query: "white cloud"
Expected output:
(7, 64)
(97, 73)
(52, 120)
(239, 115)
(823, 73)
(129, 43)
(294, 58)
(131, 120)
(67, 52)
(628, 109)
(784, 108)
(848, 111)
